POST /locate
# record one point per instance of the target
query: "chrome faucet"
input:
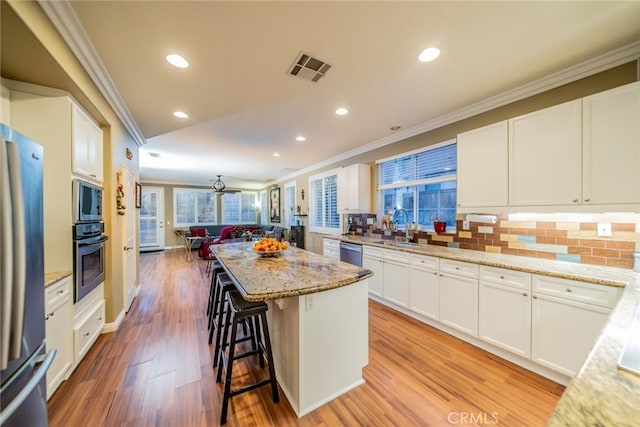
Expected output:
(406, 221)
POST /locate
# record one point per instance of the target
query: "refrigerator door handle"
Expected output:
(45, 363)
(6, 257)
(19, 247)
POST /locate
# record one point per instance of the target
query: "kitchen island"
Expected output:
(318, 319)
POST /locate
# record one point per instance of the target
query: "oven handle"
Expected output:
(92, 241)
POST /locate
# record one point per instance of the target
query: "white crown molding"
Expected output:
(66, 22)
(584, 69)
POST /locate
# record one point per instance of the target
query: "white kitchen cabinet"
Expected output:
(483, 164)
(331, 248)
(372, 260)
(565, 327)
(424, 286)
(87, 146)
(545, 148)
(459, 296)
(87, 330)
(59, 331)
(354, 189)
(505, 309)
(611, 146)
(396, 277)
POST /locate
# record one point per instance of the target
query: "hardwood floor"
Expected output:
(156, 370)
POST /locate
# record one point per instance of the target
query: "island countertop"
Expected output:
(294, 272)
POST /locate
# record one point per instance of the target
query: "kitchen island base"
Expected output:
(320, 344)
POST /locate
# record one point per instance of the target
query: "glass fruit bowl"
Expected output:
(268, 254)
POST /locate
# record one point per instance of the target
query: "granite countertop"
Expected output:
(55, 276)
(600, 394)
(294, 272)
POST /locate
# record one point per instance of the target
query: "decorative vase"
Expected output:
(439, 226)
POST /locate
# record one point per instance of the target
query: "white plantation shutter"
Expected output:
(193, 206)
(264, 208)
(423, 182)
(247, 208)
(238, 208)
(289, 203)
(323, 203)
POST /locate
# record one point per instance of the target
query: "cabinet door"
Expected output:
(425, 292)
(331, 248)
(80, 142)
(611, 146)
(459, 303)
(59, 332)
(563, 332)
(505, 318)
(354, 190)
(545, 149)
(396, 283)
(483, 165)
(376, 266)
(95, 152)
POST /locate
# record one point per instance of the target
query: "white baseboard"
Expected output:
(113, 326)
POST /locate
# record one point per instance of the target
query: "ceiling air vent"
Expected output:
(308, 67)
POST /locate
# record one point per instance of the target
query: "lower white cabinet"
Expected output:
(87, 330)
(59, 331)
(564, 328)
(396, 278)
(372, 260)
(425, 286)
(331, 248)
(459, 303)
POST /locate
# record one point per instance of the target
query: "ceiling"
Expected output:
(243, 106)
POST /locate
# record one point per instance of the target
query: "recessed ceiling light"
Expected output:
(342, 111)
(300, 138)
(276, 154)
(177, 61)
(429, 54)
(181, 115)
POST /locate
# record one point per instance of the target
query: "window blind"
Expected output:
(429, 166)
(193, 206)
(323, 203)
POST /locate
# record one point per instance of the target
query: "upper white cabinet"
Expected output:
(483, 175)
(87, 146)
(545, 156)
(354, 189)
(611, 146)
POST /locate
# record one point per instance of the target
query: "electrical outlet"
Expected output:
(604, 229)
(466, 225)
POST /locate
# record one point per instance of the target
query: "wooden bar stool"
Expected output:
(256, 314)
(216, 319)
(217, 269)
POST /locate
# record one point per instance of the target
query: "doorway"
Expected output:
(152, 219)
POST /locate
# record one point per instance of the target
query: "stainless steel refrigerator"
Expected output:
(23, 362)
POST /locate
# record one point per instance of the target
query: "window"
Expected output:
(423, 183)
(289, 203)
(193, 206)
(239, 208)
(264, 208)
(323, 212)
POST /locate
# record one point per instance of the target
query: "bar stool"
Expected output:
(256, 313)
(224, 285)
(217, 269)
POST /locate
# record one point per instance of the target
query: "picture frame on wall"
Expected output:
(138, 195)
(274, 204)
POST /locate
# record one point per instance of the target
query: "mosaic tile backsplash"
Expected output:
(563, 237)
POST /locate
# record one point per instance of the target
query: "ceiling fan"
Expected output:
(219, 187)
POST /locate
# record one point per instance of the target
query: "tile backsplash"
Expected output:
(563, 237)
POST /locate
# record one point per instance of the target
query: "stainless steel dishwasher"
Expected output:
(351, 253)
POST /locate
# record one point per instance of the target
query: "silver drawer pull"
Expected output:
(49, 315)
(457, 268)
(524, 294)
(87, 334)
(61, 291)
(569, 290)
(502, 277)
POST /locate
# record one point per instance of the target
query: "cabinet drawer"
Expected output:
(330, 243)
(512, 278)
(57, 294)
(458, 267)
(605, 296)
(87, 332)
(397, 256)
(424, 261)
(372, 251)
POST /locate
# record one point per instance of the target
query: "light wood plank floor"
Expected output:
(156, 371)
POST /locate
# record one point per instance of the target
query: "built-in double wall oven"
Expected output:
(88, 239)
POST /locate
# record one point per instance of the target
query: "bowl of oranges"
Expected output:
(268, 247)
